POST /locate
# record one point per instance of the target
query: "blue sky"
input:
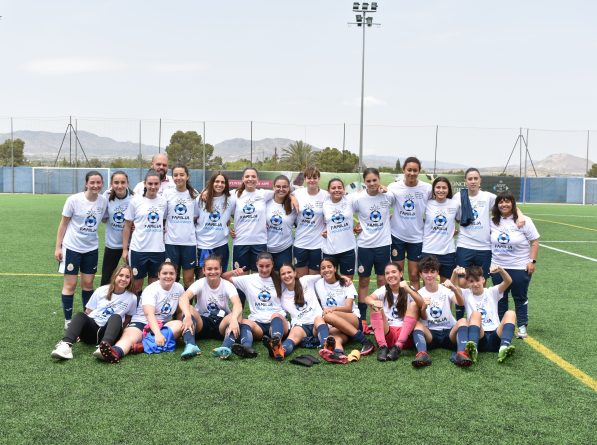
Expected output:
(294, 68)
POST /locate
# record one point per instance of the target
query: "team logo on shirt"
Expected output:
(440, 220)
(153, 216)
(337, 218)
(409, 204)
(331, 301)
(180, 208)
(212, 307)
(375, 214)
(435, 311)
(249, 208)
(91, 220)
(408, 207)
(503, 238)
(118, 216)
(475, 214)
(308, 212)
(166, 308)
(264, 296)
(214, 216)
(276, 219)
(395, 313)
(108, 311)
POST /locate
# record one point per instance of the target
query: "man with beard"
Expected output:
(159, 163)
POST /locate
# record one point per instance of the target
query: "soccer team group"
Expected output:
(294, 255)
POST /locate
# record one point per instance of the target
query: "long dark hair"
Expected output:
(209, 191)
(188, 185)
(441, 179)
(335, 264)
(495, 211)
(241, 189)
(112, 285)
(150, 173)
(402, 294)
(286, 203)
(275, 276)
(112, 195)
(299, 293)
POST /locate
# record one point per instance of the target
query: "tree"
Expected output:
(398, 168)
(333, 160)
(15, 153)
(298, 156)
(593, 172)
(187, 148)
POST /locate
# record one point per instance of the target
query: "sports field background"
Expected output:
(150, 399)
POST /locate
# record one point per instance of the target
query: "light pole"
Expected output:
(364, 22)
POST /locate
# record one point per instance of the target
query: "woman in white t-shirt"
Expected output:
(110, 307)
(156, 309)
(77, 241)
(280, 219)
(147, 213)
(180, 241)
(515, 249)
(215, 209)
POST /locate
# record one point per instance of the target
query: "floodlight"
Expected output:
(355, 6)
(365, 6)
(373, 6)
(369, 21)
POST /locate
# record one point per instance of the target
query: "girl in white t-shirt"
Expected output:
(156, 308)
(180, 241)
(215, 209)
(119, 195)
(280, 220)
(110, 307)
(77, 241)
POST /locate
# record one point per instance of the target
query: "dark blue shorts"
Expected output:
(75, 261)
(370, 257)
(440, 339)
(345, 260)
(210, 329)
(447, 263)
(307, 257)
(222, 251)
(282, 257)
(146, 263)
(490, 342)
(183, 256)
(402, 249)
(310, 340)
(136, 324)
(471, 257)
(265, 327)
(246, 256)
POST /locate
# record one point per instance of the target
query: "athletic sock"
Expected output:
(276, 327)
(378, 329)
(507, 334)
(363, 311)
(461, 338)
(360, 337)
(473, 334)
(419, 339)
(229, 340)
(67, 306)
(323, 332)
(288, 346)
(407, 327)
(188, 336)
(246, 336)
(459, 312)
(86, 296)
(118, 351)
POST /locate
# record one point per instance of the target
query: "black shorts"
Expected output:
(210, 329)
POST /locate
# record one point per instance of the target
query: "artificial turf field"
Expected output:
(159, 398)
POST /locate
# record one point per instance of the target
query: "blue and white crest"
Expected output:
(435, 311)
(264, 296)
(90, 221)
(180, 209)
(214, 216)
(118, 217)
(249, 208)
(108, 311)
(337, 218)
(276, 220)
(503, 238)
(375, 216)
(331, 301)
(166, 308)
(395, 312)
(153, 217)
(308, 213)
(440, 220)
(409, 205)
(475, 214)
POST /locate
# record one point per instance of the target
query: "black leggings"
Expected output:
(85, 327)
(110, 263)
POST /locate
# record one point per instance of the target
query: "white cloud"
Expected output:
(370, 101)
(178, 67)
(68, 65)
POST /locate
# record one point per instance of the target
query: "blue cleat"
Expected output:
(222, 352)
(190, 351)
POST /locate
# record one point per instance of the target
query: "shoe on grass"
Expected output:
(522, 332)
(244, 351)
(137, 348)
(190, 351)
(222, 352)
(277, 348)
(461, 359)
(505, 352)
(108, 352)
(382, 354)
(471, 349)
(98, 354)
(333, 357)
(62, 351)
(267, 342)
(394, 353)
(330, 343)
(66, 323)
(367, 348)
(421, 359)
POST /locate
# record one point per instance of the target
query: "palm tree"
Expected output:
(298, 156)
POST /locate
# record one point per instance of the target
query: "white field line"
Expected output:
(570, 253)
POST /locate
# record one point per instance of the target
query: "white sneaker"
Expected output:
(98, 354)
(522, 332)
(63, 351)
(66, 323)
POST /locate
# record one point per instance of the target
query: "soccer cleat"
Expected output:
(354, 356)
(108, 352)
(66, 323)
(137, 348)
(522, 332)
(382, 354)
(277, 348)
(367, 348)
(333, 357)
(367, 330)
(62, 351)
(190, 351)
(98, 354)
(461, 359)
(421, 359)
(471, 349)
(394, 353)
(505, 352)
(330, 343)
(267, 342)
(244, 351)
(222, 352)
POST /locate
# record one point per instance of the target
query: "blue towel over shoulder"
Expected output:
(466, 209)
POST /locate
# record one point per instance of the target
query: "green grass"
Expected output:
(151, 399)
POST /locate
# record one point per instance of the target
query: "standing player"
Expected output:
(77, 241)
(280, 217)
(159, 163)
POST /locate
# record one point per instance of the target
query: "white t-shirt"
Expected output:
(85, 216)
(279, 227)
(510, 246)
(486, 303)
(476, 235)
(249, 217)
(180, 221)
(440, 224)
(148, 216)
(439, 309)
(335, 295)
(309, 222)
(305, 314)
(339, 225)
(261, 295)
(115, 219)
(374, 217)
(212, 301)
(407, 220)
(101, 308)
(166, 184)
(212, 227)
(391, 312)
(164, 302)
